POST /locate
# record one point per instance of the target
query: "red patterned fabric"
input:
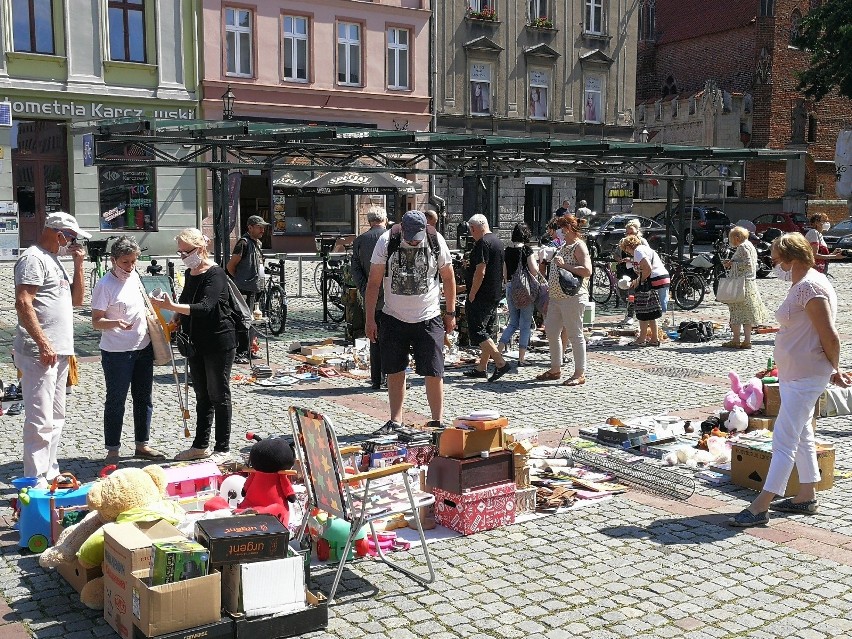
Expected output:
(477, 510)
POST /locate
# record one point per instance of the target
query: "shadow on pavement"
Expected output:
(701, 529)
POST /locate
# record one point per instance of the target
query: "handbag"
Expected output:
(184, 344)
(646, 302)
(569, 283)
(159, 341)
(731, 290)
(73, 371)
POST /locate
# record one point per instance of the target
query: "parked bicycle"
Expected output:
(602, 283)
(333, 287)
(272, 300)
(98, 254)
(333, 262)
(687, 286)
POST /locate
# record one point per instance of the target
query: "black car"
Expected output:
(841, 229)
(605, 232)
(707, 223)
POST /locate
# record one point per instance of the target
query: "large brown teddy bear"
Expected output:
(122, 490)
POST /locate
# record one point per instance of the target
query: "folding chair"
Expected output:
(356, 499)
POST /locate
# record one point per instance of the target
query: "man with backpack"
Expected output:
(409, 263)
(246, 268)
(484, 282)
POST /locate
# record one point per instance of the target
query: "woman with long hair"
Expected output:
(519, 254)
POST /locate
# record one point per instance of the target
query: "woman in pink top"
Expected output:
(807, 353)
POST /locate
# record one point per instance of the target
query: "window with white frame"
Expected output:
(539, 93)
(295, 48)
(238, 42)
(349, 53)
(398, 58)
(480, 88)
(593, 22)
(593, 99)
(537, 9)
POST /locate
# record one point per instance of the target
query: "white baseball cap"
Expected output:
(65, 222)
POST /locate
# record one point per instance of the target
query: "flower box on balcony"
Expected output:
(542, 24)
(486, 15)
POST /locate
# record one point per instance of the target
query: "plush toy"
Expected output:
(267, 491)
(749, 396)
(123, 491)
(335, 532)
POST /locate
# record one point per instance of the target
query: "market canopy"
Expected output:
(355, 182)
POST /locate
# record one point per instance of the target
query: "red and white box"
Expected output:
(476, 510)
(420, 455)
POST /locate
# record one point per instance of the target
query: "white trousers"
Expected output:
(566, 313)
(792, 437)
(43, 388)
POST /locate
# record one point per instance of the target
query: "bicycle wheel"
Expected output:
(600, 286)
(318, 277)
(334, 295)
(93, 279)
(688, 291)
(276, 310)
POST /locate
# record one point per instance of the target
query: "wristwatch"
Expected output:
(450, 314)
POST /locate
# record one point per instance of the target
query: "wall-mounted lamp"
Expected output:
(228, 99)
(643, 135)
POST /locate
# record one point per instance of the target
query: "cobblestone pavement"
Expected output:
(634, 566)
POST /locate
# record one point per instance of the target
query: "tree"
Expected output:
(826, 34)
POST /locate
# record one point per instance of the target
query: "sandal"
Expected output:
(112, 457)
(745, 345)
(575, 381)
(652, 344)
(148, 453)
(637, 343)
(548, 376)
(731, 344)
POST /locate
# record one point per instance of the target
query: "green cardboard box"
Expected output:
(173, 561)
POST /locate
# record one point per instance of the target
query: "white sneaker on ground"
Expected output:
(220, 457)
(192, 453)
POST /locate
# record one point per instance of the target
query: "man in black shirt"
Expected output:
(562, 210)
(362, 252)
(484, 281)
(246, 267)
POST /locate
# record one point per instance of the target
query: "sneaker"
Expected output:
(476, 374)
(192, 453)
(242, 358)
(220, 456)
(112, 457)
(498, 373)
(390, 428)
(42, 484)
(747, 519)
(800, 508)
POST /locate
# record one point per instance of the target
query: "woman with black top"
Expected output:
(204, 311)
(624, 266)
(519, 318)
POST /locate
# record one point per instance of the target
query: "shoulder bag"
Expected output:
(731, 290)
(159, 341)
(568, 282)
(524, 287)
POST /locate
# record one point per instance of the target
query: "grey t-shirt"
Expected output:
(52, 303)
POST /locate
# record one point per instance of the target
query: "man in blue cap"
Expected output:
(410, 262)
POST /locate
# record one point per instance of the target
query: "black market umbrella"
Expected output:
(289, 182)
(354, 182)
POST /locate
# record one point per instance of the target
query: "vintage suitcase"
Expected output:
(459, 443)
(457, 475)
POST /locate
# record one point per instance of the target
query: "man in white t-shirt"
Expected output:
(44, 339)
(411, 261)
(583, 212)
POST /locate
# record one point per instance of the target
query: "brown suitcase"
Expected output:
(457, 475)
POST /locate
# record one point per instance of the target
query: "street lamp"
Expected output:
(228, 99)
(643, 135)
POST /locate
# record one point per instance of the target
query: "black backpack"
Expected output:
(690, 331)
(396, 240)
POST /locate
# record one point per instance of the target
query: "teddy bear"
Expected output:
(267, 490)
(748, 396)
(125, 494)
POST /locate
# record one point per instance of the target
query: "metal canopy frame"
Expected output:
(223, 146)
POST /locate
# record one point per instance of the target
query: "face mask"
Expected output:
(826, 226)
(193, 260)
(781, 274)
(120, 273)
(560, 234)
(63, 250)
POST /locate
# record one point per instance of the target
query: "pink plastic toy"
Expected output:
(749, 396)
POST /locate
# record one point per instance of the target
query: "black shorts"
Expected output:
(480, 321)
(425, 339)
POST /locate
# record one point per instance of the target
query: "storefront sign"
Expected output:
(127, 196)
(95, 110)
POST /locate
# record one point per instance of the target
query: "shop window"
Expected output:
(398, 58)
(539, 93)
(295, 48)
(480, 196)
(32, 26)
(480, 88)
(127, 30)
(349, 53)
(127, 194)
(594, 18)
(238, 42)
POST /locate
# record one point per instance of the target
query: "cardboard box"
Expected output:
(476, 510)
(313, 617)
(235, 540)
(459, 443)
(457, 475)
(749, 467)
(246, 587)
(173, 561)
(771, 400)
(158, 610)
(127, 547)
(760, 422)
(222, 629)
(482, 424)
(420, 455)
(78, 576)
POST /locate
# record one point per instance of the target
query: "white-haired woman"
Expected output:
(127, 357)
(203, 311)
(751, 311)
(624, 266)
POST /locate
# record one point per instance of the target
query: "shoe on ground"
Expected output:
(434, 423)
(15, 409)
(731, 344)
(747, 519)
(499, 372)
(242, 358)
(801, 508)
(148, 453)
(192, 453)
(220, 456)
(629, 321)
(390, 428)
(42, 484)
(112, 457)
(476, 374)
(376, 385)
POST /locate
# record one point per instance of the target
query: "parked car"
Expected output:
(833, 235)
(707, 223)
(605, 232)
(845, 244)
(785, 222)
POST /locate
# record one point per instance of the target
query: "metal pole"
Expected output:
(680, 229)
(224, 221)
(669, 189)
(217, 206)
(300, 276)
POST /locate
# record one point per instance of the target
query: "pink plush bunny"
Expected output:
(749, 396)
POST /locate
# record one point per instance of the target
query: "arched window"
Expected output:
(647, 19)
(795, 26)
(767, 8)
(670, 87)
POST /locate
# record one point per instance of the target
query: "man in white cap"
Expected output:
(246, 267)
(44, 339)
(408, 261)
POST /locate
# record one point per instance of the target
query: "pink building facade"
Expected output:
(346, 62)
